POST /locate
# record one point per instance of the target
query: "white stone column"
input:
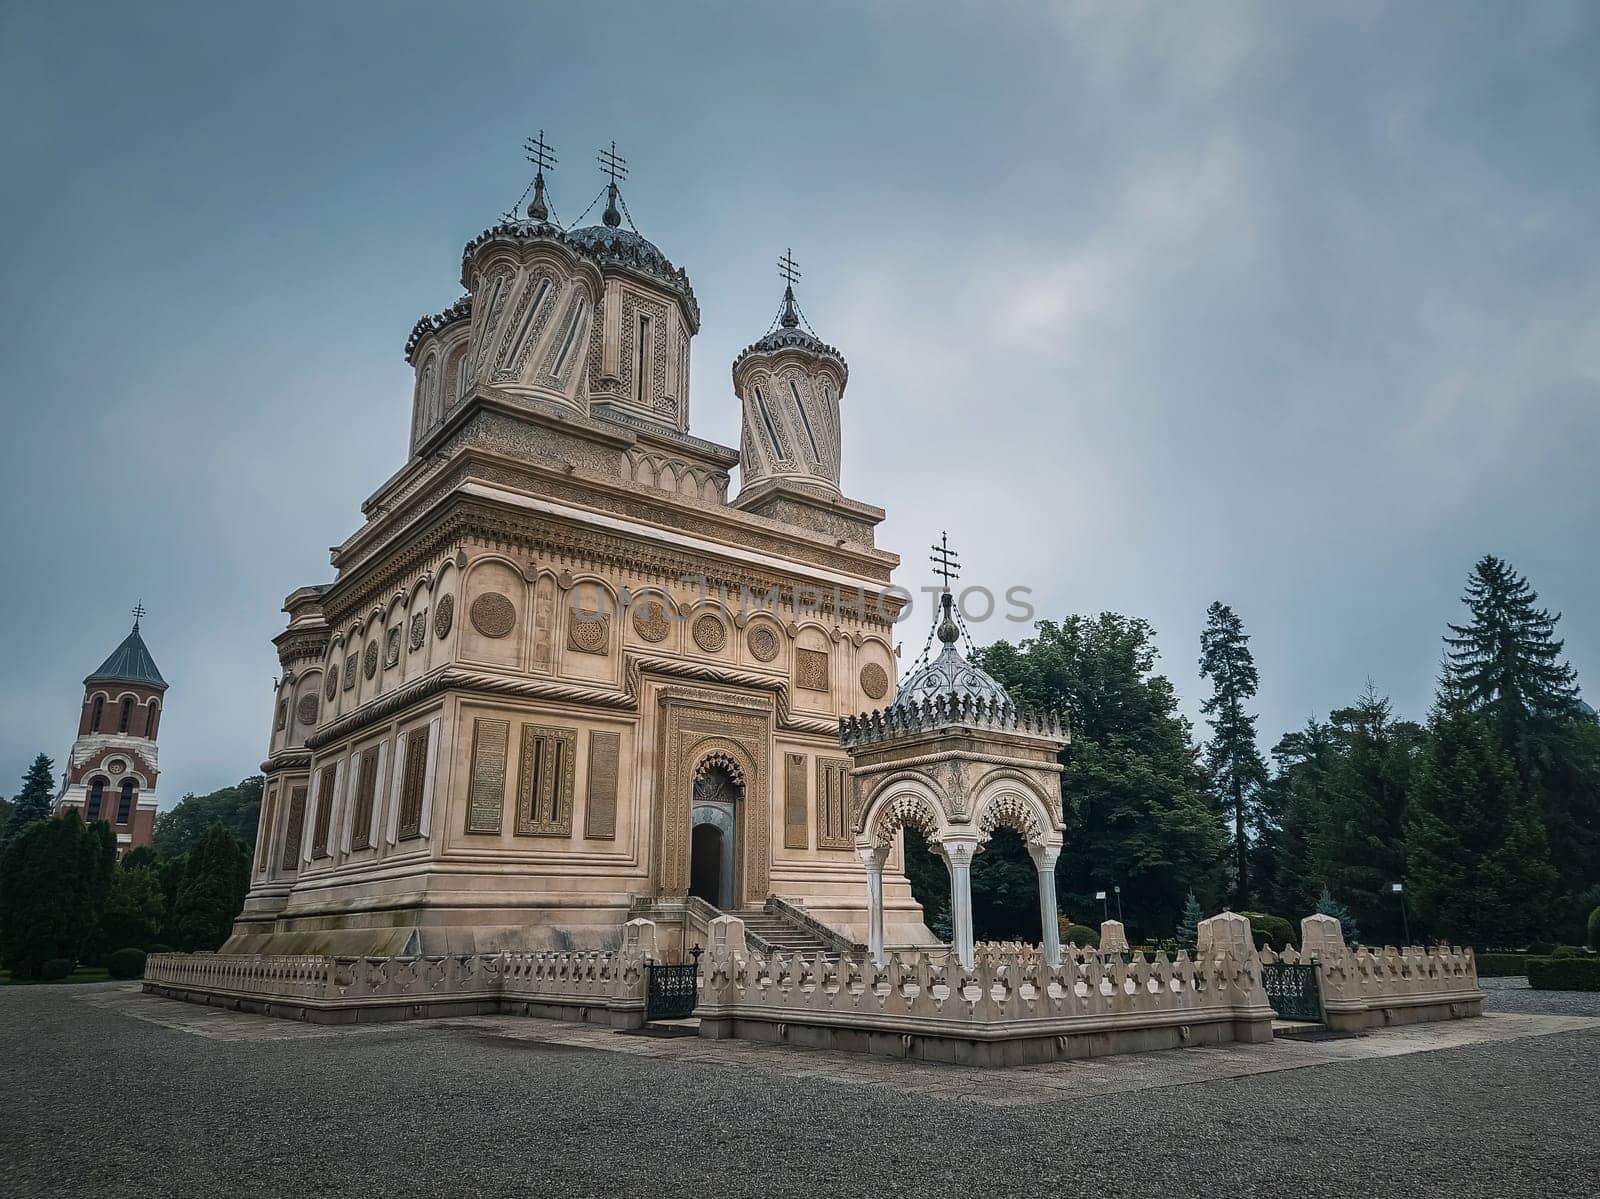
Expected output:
(958, 857)
(873, 858)
(1044, 861)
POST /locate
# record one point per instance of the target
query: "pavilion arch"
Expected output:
(903, 785)
(1006, 799)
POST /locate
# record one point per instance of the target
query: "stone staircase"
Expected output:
(781, 933)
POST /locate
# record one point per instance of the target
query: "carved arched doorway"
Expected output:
(713, 832)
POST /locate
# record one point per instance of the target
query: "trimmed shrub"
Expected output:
(1270, 930)
(1594, 930)
(56, 969)
(1564, 974)
(126, 963)
(1502, 965)
(1569, 951)
(1080, 935)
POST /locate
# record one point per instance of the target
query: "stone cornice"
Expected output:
(567, 538)
(636, 668)
(289, 759)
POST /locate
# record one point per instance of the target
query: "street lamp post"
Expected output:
(1118, 889)
(1105, 911)
(1405, 921)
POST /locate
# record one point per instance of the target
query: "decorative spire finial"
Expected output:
(948, 567)
(138, 614)
(614, 167)
(542, 156)
(790, 272)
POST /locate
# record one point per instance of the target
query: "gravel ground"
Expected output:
(1514, 995)
(95, 1102)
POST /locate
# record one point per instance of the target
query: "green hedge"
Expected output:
(1502, 965)
(1594, 930)
(1080, 935)
(126, 963)
(1270, 930)
(56, 969)
(1568, 951)
(1564, 974)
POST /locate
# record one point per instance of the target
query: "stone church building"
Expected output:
(561, 676)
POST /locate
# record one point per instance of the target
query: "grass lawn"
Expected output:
(83, 974)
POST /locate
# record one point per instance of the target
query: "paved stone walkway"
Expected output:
(1015, 1086)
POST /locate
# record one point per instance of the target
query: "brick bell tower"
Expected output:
(111, 772)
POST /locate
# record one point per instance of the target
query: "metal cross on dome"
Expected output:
(539, 152)
(946, 563)
(612, 165)
(138, 614)
(788, 268)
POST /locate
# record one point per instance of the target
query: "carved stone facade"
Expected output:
(552, 623)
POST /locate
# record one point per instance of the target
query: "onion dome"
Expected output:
(949, 674)
(788, 335)
(612, 246)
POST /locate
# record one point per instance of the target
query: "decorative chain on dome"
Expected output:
(943, 710)
(459, 311)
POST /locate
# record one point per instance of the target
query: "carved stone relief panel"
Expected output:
(369, 659)
(600, 809)
(306, 710)
(650, 620)
(493, 615)
(795, 833)
(874, 681)
(544, 618)
(391, 646)
(763, 642)
(811, 669)
(487, 786)
(589, 632)
(544, 781)
(443, 616)
(419, 629)
(710, 634)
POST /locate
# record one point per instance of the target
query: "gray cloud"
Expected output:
(1149, 305)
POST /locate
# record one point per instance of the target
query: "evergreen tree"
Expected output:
(1328, 906)
(134, 908)
(1188, 936)
(1133, 795)
(215, 880)
(1506, 665)
(44, 898)
(1479, 868)
(1506, 661)
(1232, 757)
(238, 808)
(1360, 849)
(1295, 809)
(33, 802)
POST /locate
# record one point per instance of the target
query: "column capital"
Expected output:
(873, 856)
(1044, 856)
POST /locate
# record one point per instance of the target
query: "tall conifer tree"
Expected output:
(1233, 758)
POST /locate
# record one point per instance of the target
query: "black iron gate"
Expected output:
(671, 992)
(1293, 990)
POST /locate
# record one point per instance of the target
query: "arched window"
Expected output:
(150, 714)
(127, 714)
(99, 711)
(125, 802)
(91, 806)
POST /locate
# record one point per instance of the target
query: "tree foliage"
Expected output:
(1133, 795)
(52, 888)
(215, 879)
(33, 801)
(1232, 756)
(134, 909)
(236, 808)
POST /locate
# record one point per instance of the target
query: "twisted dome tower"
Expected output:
(790, 384)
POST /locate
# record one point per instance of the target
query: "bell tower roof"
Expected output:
(130, 662)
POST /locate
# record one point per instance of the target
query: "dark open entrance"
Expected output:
(705, 864)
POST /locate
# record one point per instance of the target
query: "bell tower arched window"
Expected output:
(150, 713)
(125, 802)
(126, 715)
(91, 806)
(99, 711)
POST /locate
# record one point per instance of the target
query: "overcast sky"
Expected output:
(1293, 306)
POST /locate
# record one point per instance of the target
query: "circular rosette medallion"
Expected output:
(763, 643)
(874, 681)
(710, 634)
(493, 614)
